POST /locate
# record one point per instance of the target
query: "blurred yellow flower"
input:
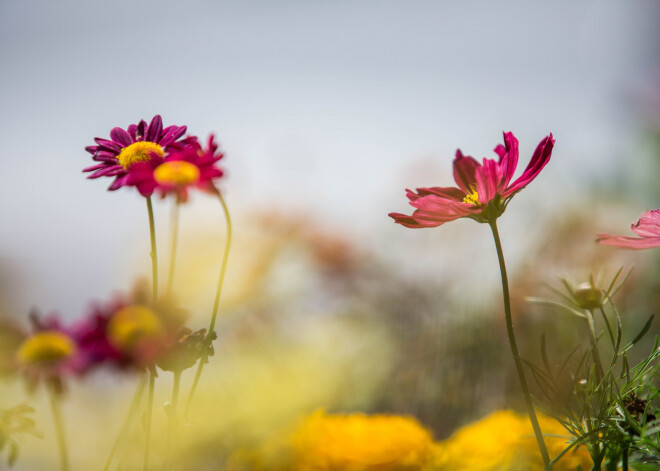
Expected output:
(359, 442)
(504, 441)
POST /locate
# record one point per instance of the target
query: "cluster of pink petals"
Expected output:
(106, 151)
(162, 146)
(141, 175)
(647, 228)
(486, 186)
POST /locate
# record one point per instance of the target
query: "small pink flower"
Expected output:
(647, 228)
(187, 165)
(484, 190)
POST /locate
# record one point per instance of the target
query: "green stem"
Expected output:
(624, 459)
(594, 346)
(175, 238)
(514, 349)
(59, 427)
(154, 252)
(173, 425)
(150, 407)
(127, 422)
(216, 304)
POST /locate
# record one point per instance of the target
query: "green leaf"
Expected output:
(645, 329)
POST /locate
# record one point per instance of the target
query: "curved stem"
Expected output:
(154, 252)
(59, 428)
(514, 349)
(127, 423)
(175, 238)
(216, 304)
(150, 407)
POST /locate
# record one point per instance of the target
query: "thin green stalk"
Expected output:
(624, 459)
(594, 346)
(174, 423)
(216, 304)
(127, 422)
(150, 407)
(514, 349)
(154, 252)
(175, 238)
(152, 369)
(59, 427)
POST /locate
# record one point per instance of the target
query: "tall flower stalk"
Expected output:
(152, 370)
(59, 427)
(216, 304)
(127, 423)
(483, 193)
(513, 345)
(174, 241)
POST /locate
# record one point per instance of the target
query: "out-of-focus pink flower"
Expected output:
(484, 190)
(186, 165)
(129, 331)
(49, 352)
(647, 228)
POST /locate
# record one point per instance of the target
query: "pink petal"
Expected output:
(409, 221)
(440, 208)
(629, 242)
(539, 160)
(648, 225)
(464, 171)
(154, 129)
(508, 157)
(451, 193)
(121, 136)
(488, 178)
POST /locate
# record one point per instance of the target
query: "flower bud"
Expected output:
(588, 297)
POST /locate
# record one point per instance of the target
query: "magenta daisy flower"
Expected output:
(186, 165)
(138, 143)
(484, 190)
(647, 228)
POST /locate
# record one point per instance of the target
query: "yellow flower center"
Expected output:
(177, 172)
(132, 325)
(139, 152)
(472, 197)
(45, 348)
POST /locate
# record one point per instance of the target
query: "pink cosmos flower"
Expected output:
(186, 165)
(139, 142)
(647, 228)
(484, 190)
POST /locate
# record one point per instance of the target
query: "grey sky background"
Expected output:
(326, 108)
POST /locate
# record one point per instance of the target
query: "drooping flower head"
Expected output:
(484, 190)
(126, 147)
(647, 228)
(186, 165)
